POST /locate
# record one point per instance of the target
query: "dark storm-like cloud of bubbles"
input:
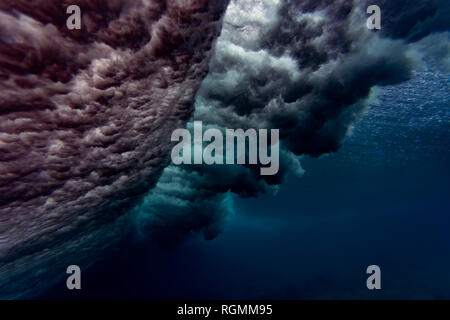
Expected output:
(304, 67)
(85, 118)
(413, 20)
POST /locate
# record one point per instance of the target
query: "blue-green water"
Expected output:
(383, 199)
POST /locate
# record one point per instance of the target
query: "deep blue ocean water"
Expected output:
(383, 199)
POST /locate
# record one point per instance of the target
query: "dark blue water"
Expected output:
(384, 199)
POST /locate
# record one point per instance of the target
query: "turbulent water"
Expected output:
(85, 120)
(383, 198)
(86, 117)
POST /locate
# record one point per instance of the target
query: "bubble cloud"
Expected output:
(307, 68)
(86, 117)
